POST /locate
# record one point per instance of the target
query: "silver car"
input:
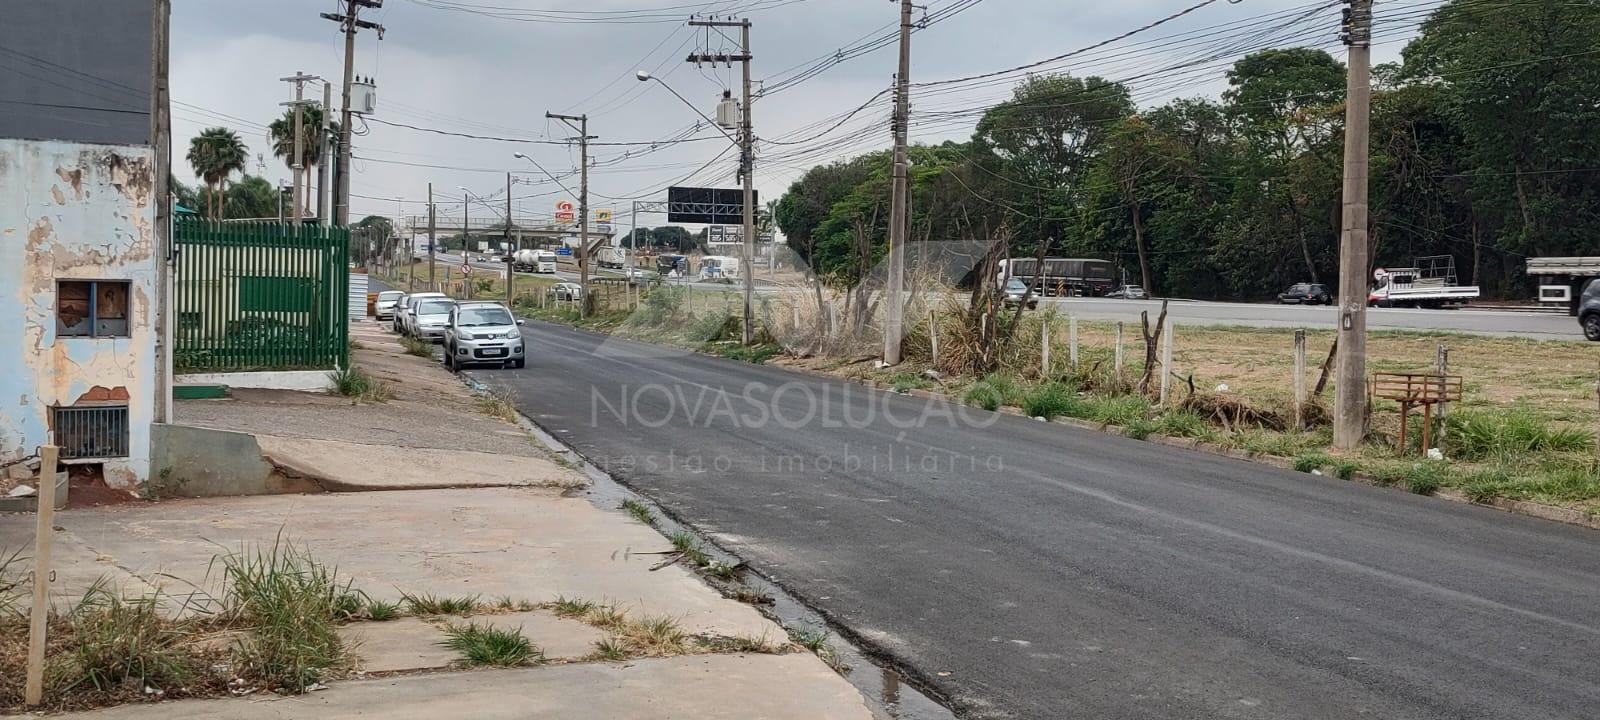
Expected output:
(406, 314)
(482, 333)
(383, 308)
(430, 317)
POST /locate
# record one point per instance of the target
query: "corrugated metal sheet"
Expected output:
(358, 296)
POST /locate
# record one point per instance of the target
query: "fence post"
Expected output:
(1044, 346)
(1116, 362)
(1166, 360)
(1299, 380)
(1443, 361)
(933, 338)
(1072, 340)
(43, 537)
(794, 315)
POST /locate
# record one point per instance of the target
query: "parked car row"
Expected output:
(471, 333)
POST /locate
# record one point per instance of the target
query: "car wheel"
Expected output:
(519, 363)
(1591, 326)
(450, 358)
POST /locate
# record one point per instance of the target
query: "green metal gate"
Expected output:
(260, 296)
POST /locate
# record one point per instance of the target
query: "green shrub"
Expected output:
(1050, 400)
(1123, 410)
(1182, 423)
(1010, 389)
(983, 395)
(1505, 435)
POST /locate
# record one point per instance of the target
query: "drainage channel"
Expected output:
(889, 693)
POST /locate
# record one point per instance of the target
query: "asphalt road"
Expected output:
(1031, 570)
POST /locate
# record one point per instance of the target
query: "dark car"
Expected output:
(1589, 310)
(1306, 294)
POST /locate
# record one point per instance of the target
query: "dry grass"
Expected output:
(498, 404)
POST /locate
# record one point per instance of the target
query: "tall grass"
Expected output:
(117, 642)
(353, 382)
(484, 645)
(1050, 400)
(1505, 435)
(290, 603)
(414, 346)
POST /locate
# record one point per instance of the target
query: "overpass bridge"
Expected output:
(538, 231)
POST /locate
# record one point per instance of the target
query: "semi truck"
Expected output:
(1061, 276)
(1569, 283)
(534, 261)
(1431, 283)
(611, 257)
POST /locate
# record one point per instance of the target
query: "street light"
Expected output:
(645, 76)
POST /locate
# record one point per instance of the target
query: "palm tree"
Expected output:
(280, 133)
(214, 155)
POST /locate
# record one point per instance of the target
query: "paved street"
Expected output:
(1037, 571)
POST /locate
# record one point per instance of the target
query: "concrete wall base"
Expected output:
(266, 380)
(202, 462)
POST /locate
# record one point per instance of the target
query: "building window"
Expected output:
(92, 308)
(99, 431)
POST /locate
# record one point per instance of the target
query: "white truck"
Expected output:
(535, 261)
(1430, 284)
(1570, 283)
(719, 267)
(611, 257)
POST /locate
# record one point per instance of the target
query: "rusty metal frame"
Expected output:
(1410, 389)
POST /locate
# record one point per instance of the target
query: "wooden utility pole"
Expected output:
(746, 160)
(297, 162)
(1350, 399)
(511, 255)
(43, 538)
(1299, 380)
(899, 197)
(584, 250)
(349, 21)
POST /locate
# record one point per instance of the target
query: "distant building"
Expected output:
(80, 247)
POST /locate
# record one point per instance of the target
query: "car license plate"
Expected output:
(493, 352)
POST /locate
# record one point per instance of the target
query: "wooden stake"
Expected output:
(43, 537)
(1116, 363)
(1044, 346)
(1299, 380)
(1443, 361)
(933, 337)
(1072, 340)
(1166, 360)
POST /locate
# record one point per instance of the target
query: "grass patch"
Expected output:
(290, 602)
(655, 635)
(609, 649)
(1505, 435)
(751, 596)
(1050, 400)
(740, 644)
(118, 642)
(414, 346)
(904, 382)
(816, 640)
(382, 611)
(1342, 468)
(689, 547)
(14, 583)
(496, 405)
(483, 645)
(429, 604)
(754, 354)
(353, 382)
(572, 607)
(639, 511)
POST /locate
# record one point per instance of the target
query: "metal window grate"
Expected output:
(91, 432)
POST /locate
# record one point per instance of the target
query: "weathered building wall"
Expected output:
(73, 211)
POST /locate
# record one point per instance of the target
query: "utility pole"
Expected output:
(1350, 399)
(325, 139)
(466, 257)
(511, 254)
(349, 21)
(899, 197)
(746, 159)
(433, 243)
(298, 161)
(583, 139)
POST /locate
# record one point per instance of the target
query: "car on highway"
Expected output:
(1129, 292)
(566, 291)
(383, 307)
(429, 318)
(1015, 290)
(1589, 311)
(1306, 294)
(641, 276)
(483, 333)
(406, 315)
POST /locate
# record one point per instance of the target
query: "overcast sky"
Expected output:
(469, 73)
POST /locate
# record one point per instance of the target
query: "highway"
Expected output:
(1033, 570)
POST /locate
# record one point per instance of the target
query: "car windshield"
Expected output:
(1015, 285)
(434, 307)
(481, 316)
(389, 295)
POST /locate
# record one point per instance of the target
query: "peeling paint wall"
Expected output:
(73, 211)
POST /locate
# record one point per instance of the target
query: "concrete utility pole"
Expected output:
(297, 162)
(746, 160)
(325, 137)
(1350, 400)
(514, 246)
(466, 257)
(349, 21)
(583, 139)
(433, 244)
(898, 219)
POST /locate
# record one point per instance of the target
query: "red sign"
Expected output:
(564, 211)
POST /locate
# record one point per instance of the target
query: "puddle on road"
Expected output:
(890, 695)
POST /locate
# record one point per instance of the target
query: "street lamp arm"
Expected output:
(646, 77)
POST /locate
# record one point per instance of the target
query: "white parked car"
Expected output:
(566, 291)
(383, 309)
(430, 317)
(406, 316)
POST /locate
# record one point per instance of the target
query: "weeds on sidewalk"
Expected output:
(609, 649)
(290, 603)
(498, 405)
(430, 604)
(572, 608)
(639, 511)
(353, 382)
(483, 645)
(414, 346)
(13, 583)
(120, 642)
(816, 640)
(382, 611)
(740, 644)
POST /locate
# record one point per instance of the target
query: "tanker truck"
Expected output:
(535, 261)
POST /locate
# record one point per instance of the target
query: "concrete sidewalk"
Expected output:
(438, 498)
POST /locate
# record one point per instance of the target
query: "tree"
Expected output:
(1134, 149)
(214, 155)
(251, 197)
(672, 236)
(280, 134)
